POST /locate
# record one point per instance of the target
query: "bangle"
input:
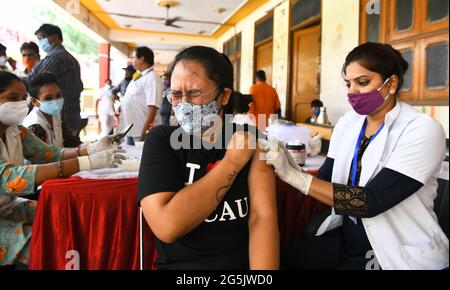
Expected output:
(60, 166)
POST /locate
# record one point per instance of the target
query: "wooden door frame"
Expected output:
(307, 25)
(256, 45)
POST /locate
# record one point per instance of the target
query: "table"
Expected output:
(99, 218)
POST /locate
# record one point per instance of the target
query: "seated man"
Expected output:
(315, 111)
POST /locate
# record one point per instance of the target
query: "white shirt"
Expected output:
(141, 93)
(105, 104)
(54, 135)
(408, 235)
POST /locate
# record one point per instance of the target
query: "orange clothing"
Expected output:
(265, 101)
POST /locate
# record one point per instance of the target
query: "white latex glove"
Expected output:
(130, 165)
(315, 145)
(104, 159)
(278, 156)
(104, 143)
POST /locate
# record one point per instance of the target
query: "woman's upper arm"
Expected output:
(261, 183)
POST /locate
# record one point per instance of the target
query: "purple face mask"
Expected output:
(366, 103)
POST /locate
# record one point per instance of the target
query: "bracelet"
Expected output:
(60, 165)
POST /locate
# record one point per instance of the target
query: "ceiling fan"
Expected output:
(169, 21)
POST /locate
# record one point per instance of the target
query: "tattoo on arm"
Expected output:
(223, 190)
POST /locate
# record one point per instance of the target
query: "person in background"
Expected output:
(44, 121)
(5, 60)
(104, 109)
(166, 108)
(30, 57)
(265, 99)
(17, 144)
(123, 85)
(67, 69)
(143, 97)
(242, 106)
(315, 111)
(380, 176)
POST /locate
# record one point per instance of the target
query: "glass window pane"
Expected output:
(373, 27)
(437, 10)
(408, 56)
(404, 14)
(437, 66)
(303, 10)
(264, 30)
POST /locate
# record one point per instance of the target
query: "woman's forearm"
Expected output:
(264, 244)
(70, 153)
(176, 214)
(52, 170)
(322, 191)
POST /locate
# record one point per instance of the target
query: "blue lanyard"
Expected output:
(358, 143)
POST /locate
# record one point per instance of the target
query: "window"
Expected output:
(304, 11)
(419, 30)
(232, 48)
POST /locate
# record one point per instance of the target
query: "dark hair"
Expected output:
(218, 68)
(316, 103)
(2, 47)
(380, 58)
(50, 30)
(242, 103)
(7, 79)
(40, 80)
(261, 75)
(147, 53)
(30, 46)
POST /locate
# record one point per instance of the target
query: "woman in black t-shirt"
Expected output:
(209, 204)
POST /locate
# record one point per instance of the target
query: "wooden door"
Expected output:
(305, 72)
(264, 59)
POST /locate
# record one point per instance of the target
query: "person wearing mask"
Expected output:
(44, 121)
(17, 144)
(265, 100)
(143, 97)
(213, 207)
(67, 69)
(6, 63)
(380, 176)
(166, 108)
(30, 57)
(104, 109)
(315, 111)
(123, 85)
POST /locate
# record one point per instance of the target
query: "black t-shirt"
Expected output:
(222, 240)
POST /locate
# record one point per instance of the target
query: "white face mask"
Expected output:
(13, 113)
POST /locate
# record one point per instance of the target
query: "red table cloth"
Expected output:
(97, 218)
(100, 220)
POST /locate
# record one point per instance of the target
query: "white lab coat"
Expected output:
(408, 235)
(141, 93)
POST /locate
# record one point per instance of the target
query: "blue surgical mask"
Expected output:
(52, 108)
(45, 45)
(316, 111)
(196, 119)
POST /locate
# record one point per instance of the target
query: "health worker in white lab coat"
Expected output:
(380, 177)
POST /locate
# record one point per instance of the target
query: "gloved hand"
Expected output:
(278, 157)
(315, 145)
(104, 143)
(103, 159)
